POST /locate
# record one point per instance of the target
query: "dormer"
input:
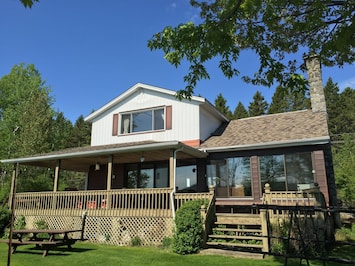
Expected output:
(145, 112)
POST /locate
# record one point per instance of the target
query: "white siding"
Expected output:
(208, 125)
(185, 119)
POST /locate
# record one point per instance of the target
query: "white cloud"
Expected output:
(347, 83)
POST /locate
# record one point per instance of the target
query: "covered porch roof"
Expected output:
(80, 159)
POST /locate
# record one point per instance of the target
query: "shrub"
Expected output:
(136, 241)
(20, 223)
(5, 219)
(188, 235)
(167, 242)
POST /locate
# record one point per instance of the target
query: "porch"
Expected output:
(117, 216)
(112, 217)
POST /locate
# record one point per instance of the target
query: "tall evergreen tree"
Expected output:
(61, 132)
(221, 104)
(286, 100)
(240, 111)
(334, 108)
(346, 117)
(81, 133)
(258, 106)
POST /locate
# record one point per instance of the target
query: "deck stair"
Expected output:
(240, 231)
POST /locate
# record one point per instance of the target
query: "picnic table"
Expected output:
(42, 238)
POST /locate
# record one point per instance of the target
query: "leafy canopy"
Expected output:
(28, 3)
(273, 29)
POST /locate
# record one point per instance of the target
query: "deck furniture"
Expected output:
(42, 238)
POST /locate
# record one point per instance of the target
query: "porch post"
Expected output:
(172, 170)
(107, 202)
(12, 204)
(56, 176)
(109, 172)
(13, 183)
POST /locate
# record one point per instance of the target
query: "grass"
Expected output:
(84, 253)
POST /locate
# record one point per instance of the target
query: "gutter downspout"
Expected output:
(174, 187)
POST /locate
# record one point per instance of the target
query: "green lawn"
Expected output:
(92, 254)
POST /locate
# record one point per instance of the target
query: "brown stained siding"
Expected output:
(118, 181)
(97, 180)
(255, 178)
(320, 173)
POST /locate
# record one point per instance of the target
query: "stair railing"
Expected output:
(208, 215)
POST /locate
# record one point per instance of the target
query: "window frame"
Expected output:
(131, 115)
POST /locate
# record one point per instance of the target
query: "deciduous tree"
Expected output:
(277, 31)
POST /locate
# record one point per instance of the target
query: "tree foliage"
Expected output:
(25, 111)
(240, 111)
(28, 3)
(81, 133)
(30, 126)
(284, 100)
(273, 29)
(344, 161)
(340, 108)
(258, 106)
(221, 104)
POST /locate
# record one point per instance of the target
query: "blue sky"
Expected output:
(89, 52)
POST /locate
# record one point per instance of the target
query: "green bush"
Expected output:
(136, 241)
(5, 219)
(20, 223)
(188, 235)
(167, 242)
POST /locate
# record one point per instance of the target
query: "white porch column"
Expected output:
(172, 170)
(109, 172)
(56, 176)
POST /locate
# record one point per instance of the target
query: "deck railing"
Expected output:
(181, 198)
(154, 202)
(124, 202)
(309, 197)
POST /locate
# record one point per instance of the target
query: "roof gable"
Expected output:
(137, 87)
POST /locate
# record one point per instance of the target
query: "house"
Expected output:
(150, 151)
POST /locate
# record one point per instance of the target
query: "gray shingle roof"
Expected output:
(275, 128)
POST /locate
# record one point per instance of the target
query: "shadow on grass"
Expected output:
(342, 253)
(57, 251)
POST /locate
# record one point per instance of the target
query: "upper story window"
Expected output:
(140, 121)
(158, 118)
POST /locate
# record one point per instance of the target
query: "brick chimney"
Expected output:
(316, 90)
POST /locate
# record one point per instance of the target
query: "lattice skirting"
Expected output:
(121, 230)
(110, 229)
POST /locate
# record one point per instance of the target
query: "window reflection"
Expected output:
(147, 175)
(285, 172)
(141, 121)
(231, 177)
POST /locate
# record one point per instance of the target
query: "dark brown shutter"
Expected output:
(115, 125)
(168, 117)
